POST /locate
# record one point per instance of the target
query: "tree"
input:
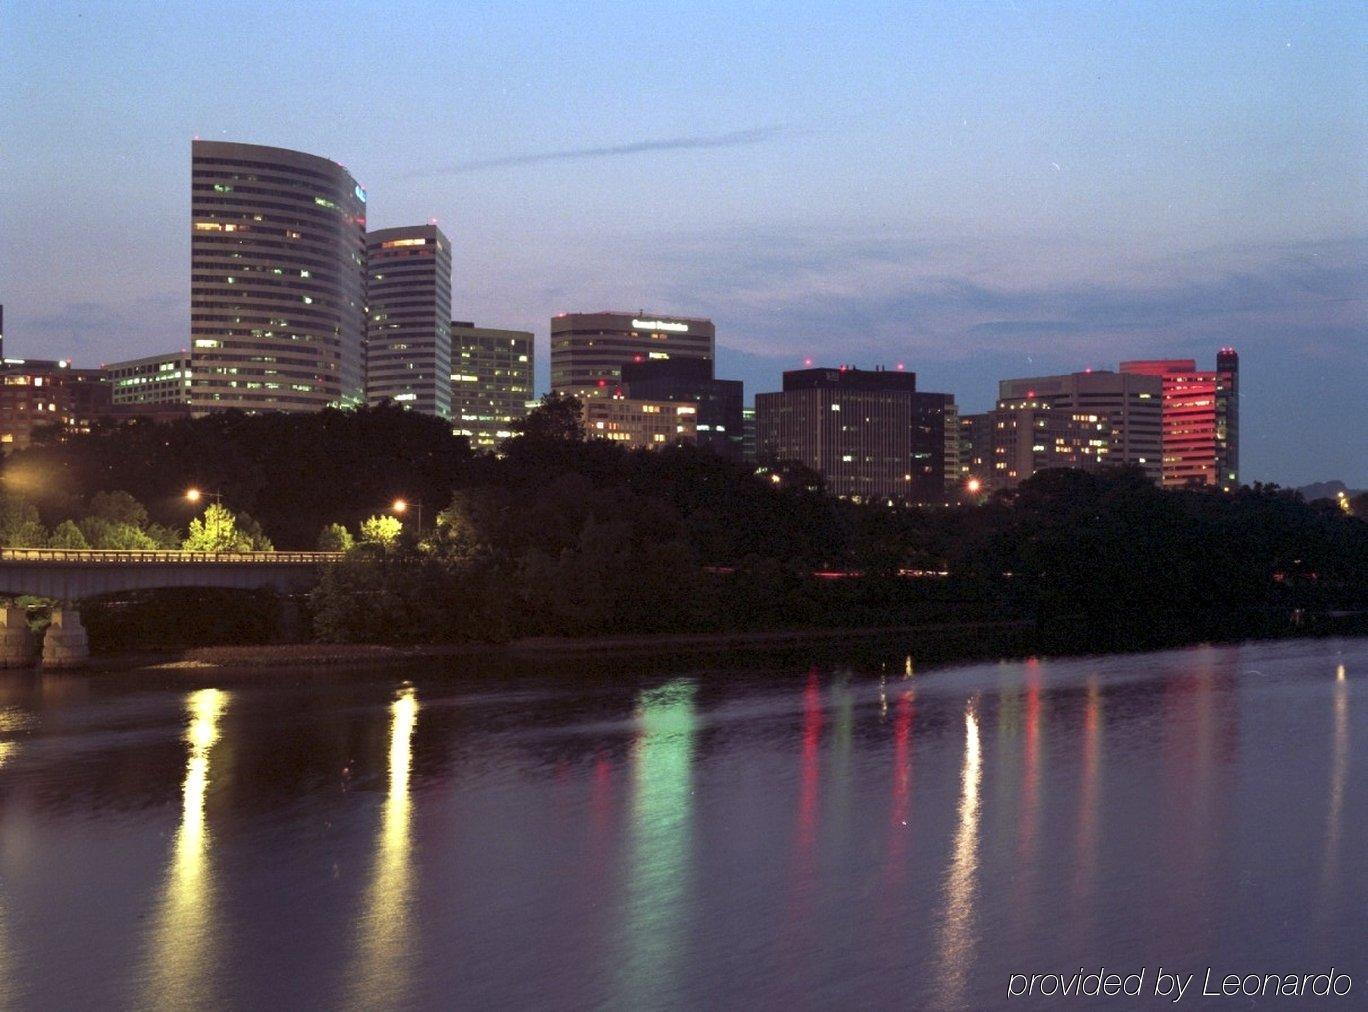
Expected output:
(19, 524)
(119, 508)
(381, 529)
(256, 537)
(67, 535)
(558, 418)
(110, 535)
(216, 531)
(335, 538)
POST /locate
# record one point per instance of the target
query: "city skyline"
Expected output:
(998, 219)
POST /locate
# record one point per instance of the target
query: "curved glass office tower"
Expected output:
(277, 282)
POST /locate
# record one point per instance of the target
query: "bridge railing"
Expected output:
(120, 557)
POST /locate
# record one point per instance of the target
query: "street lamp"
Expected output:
(402, 506)
(973, 485)
(194, 495)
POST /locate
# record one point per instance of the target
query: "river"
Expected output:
(670, 833)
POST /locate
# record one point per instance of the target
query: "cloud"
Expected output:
(731, 139)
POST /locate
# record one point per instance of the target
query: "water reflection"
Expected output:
(957, 923)
(9, 997)
(901, 809)
(181, 942)
(1339, 774)
(383, 962)
(660, 843)
(1085, 863)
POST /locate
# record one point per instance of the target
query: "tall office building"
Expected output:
(1200, 418)
(1228, 418)
(748, 435)
(491, 382)
(976, 449)
(589, 349)
(408, 318)
(1132, 405)
(690, 381)
(277, 280)
(870, 433)
(1030, 436)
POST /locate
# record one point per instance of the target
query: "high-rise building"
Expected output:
(277, 280)
(1031, 436)
(155, 381)
(748, 435)
(589, 349)
(408, 318)
(491, 382)
(690, 381)
(1228, 418)
(47, 394)
(1200, 418)
(950, 426)
(976, 449)
(1132, 405)
(640, 424)
(870, 433)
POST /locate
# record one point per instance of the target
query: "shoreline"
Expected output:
(361, 655)
(935, 641)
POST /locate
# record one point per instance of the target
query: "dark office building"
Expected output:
(871, 434)
(719, 420)
(588, 349)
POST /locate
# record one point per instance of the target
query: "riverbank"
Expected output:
(366, 655)
(927, 643)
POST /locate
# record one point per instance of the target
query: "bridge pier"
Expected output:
(65, 645)
(16, 640)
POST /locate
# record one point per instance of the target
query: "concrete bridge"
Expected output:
(70, 575)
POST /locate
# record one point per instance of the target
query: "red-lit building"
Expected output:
(1200, 419)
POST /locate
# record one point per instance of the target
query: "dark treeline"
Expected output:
(568, 536)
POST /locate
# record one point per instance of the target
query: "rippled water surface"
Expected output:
(662, 833)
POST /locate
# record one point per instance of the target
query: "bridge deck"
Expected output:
(85, 556)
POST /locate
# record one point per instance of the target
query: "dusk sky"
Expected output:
(977, 190)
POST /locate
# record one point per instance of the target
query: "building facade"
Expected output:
(690, 381)
(1132, 405)
(976, 449)
(491, 382)
(45, 395)
(870, 433)
(1030, 436)
(154, 381)
(588, 349)
(640, 424)
(408, 318)
(1200, 419)
(277, 280)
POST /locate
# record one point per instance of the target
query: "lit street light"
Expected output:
(194, 495)
(973, 485)
(402, 506)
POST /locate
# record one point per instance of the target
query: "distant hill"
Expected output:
(1327, 490)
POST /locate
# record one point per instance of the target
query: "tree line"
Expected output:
(566, 535)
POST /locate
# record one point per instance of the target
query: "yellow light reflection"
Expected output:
(1339, 775)
(957, 922)
(382, 969)
(184, 926)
